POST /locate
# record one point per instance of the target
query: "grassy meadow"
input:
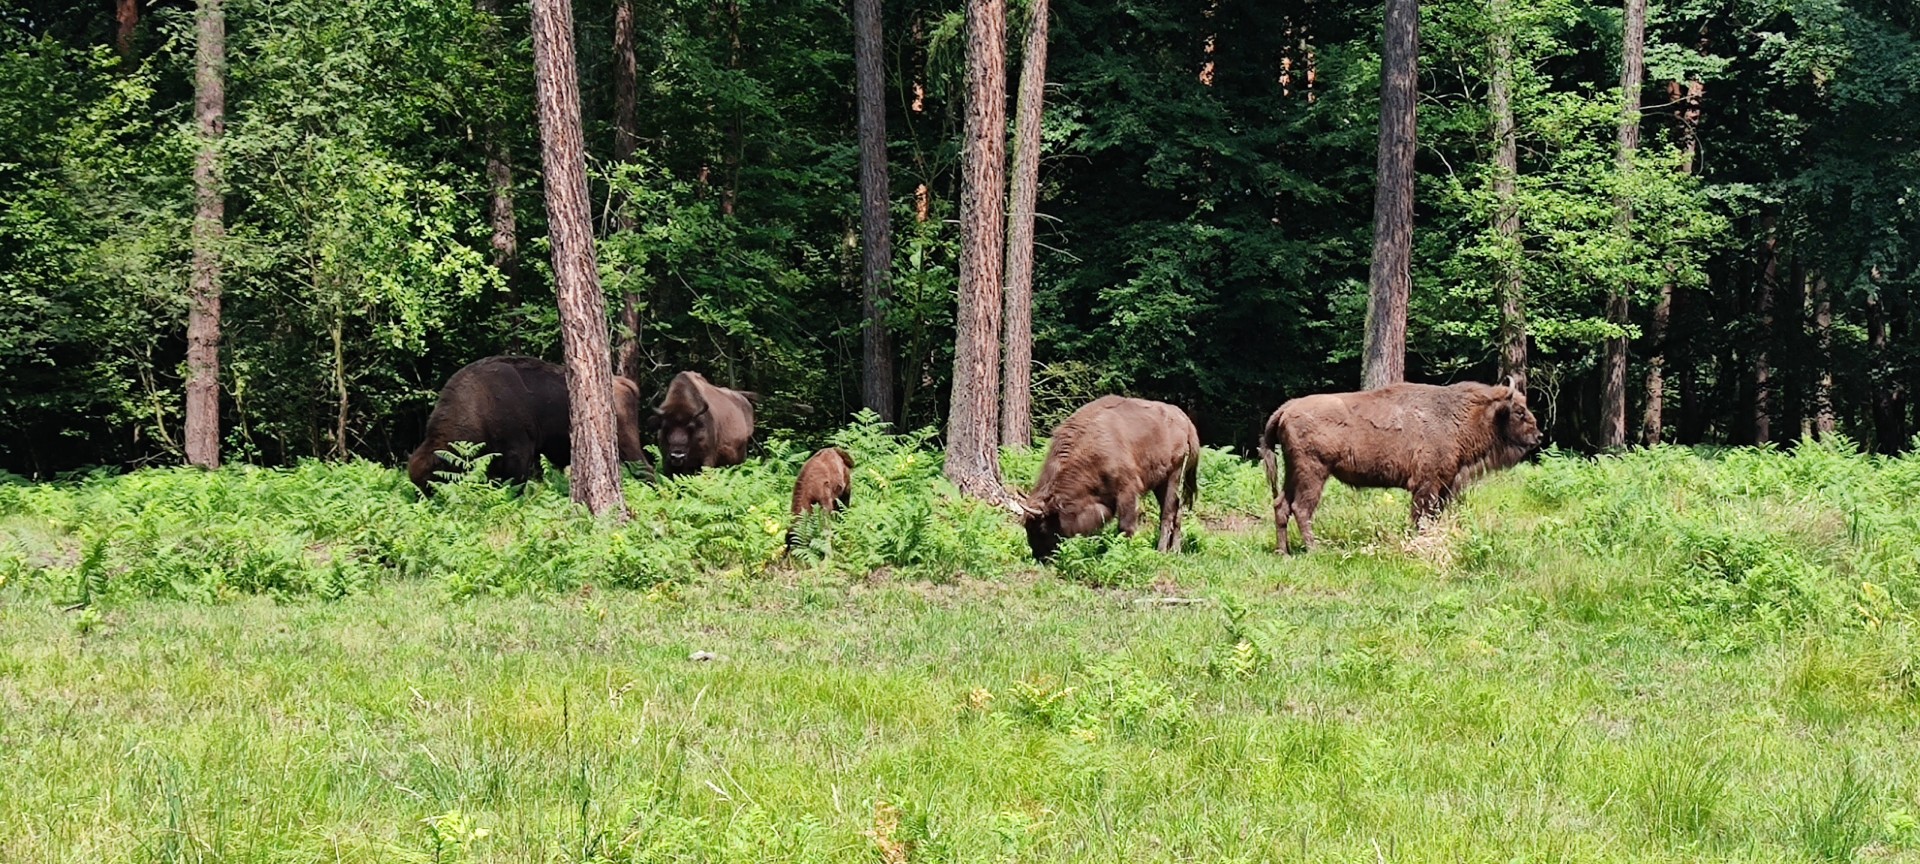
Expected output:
(1670, 655)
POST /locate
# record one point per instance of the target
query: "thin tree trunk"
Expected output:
(1016, 409)
(1613, 391)
(1506, 168)
(127, 14)
(505, 243)
(973, 459)
(876, 240)
(209, 229)
(736, 135)
(1390, 280)
(583, 312)
(1763, 304)
(1889, 395)
(1688, 119)
(338, 331)
(1823, 419)
(626, 140)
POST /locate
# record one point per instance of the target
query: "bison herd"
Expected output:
(1429, 440)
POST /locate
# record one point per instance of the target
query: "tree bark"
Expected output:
(1823, 418)
(127, 14)
(1016, 408)
(505, 243)
(583, 312)
(1390, 280)
(1506, 168)
(1613, 391)
(1687, 117)
(626, 141)
(973, 459)
(876, 240)
(1763, 305)
(209, 229)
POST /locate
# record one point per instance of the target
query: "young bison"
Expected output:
(517, 407)
(825, 484)
(1108, 454)
(1429, 440)
(702, 426)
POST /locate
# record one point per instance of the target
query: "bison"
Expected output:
(1429, 440)
(516, 407)
(702, 425)
(1109, 453)
(825, 483)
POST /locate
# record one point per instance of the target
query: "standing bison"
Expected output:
(1429, 440)
(1108, 454)
(825, 483)
(702, 426)
(517, 407)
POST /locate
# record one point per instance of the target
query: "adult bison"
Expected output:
(825, 482)
(1429, 440)
(517, 407)
(1109, 453)
(702, 425)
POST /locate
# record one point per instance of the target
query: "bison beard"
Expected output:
(517, 408)
(1099, 463)
(1431, 441)
(702, 425)
(825, 483)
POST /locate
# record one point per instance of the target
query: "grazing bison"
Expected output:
(1429, 440)
(1109, 453)
(703, 426)
(826, 482)
(517, 407)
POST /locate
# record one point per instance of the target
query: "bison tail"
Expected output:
(1268, 437)
(1190, 485)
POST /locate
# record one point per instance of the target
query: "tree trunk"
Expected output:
(1763, 305)
(127, 14)
(1889, 395)
(973, 459)
(1390, 279)
(1016, 409)
(505, 242)
(626, 140)
(583, 311)
(209, 229)
(1823, 419)
(736, 134)
(1613, 391)
(1506, 168)
(876, 239)
(1688, 118)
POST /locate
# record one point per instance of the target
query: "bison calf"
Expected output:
(1108, 454)
(825, 484)
(702, 425)
(1429, 440)
(517, 408)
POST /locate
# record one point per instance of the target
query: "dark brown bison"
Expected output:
(702, 426)
(1429, 440)
(825, 483)
(1108, 454)
(517, 407)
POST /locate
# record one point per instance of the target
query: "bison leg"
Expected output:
(1170, 514)
(1127, 510)
(1303, 497)
(1282, 511)
(1428, 501)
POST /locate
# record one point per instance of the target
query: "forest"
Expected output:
(1202, 235)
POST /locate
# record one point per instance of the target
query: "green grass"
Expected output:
(1668, 656)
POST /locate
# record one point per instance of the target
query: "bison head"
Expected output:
(1048, 522)
(1515, 423)
(684, 425)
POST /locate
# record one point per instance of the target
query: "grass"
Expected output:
(1665, 656)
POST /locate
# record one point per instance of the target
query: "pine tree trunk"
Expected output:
(973, 459)
(583, 312)
(1016, 409)
(1390, 280)
(1613, 390)
(876, 239)
(1763, 305)
(127, 14)
(1653, 421)
(209, 229)
(505, 243)
(1823, 418)
(1506, 168)
(626, 140)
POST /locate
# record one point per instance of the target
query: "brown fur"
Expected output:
(517, 407)
(1431, 441)
(1108, 454)
(825, 483)
(703, 425)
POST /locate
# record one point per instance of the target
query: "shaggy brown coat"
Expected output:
(517, 407)
(825, 483)
(1429, 440)
(1109, 453)
(703, 425)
